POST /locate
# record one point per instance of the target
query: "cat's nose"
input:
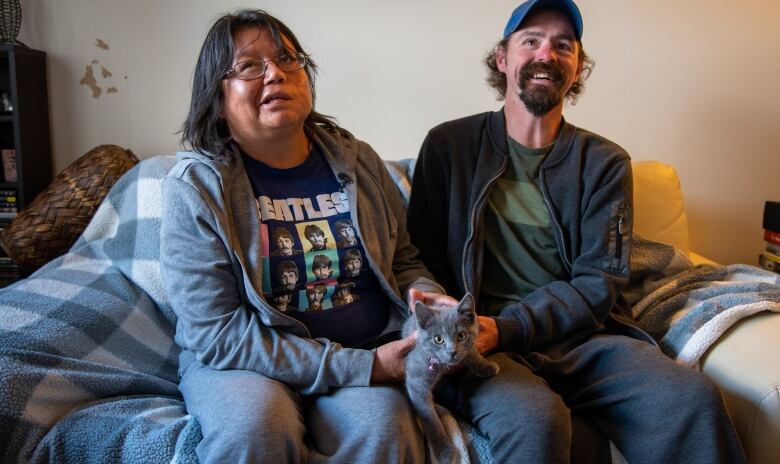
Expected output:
(453, 355)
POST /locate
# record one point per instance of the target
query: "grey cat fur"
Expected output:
(445, 338)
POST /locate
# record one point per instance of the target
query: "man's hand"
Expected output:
(389, 360)
(429, 298)
(487, 340)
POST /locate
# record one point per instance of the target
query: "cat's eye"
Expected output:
(438, 339)
(461, 336)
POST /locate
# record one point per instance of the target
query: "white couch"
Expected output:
(743, 363)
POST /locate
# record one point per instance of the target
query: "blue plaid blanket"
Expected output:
(686, 308)
(88, 366)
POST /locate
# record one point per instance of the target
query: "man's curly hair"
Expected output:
(497, 79)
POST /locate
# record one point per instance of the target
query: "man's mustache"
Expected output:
(551, 71)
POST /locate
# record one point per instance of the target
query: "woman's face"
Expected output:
(265, 107)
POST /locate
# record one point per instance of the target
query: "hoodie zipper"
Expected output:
(473, 224)
(554, 220)
(348, 186)
(619, 241)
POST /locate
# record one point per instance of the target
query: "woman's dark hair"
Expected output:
(497, 79)
(204, 130)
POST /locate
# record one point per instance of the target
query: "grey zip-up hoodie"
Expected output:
(586, 184)
(212, 267)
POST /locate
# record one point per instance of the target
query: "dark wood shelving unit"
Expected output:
(24, 129)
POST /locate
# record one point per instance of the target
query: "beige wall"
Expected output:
(688, 82)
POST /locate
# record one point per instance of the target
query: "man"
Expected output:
(543, 210)
(316, 295)
(282, 302)
(353, 262)
(343, 294)
(284, 243)
(346, 232)
(316, 237)
(321, 267)
(288, 275)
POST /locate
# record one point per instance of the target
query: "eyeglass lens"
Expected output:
(253, 69)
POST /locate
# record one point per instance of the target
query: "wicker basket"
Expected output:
(50, 225)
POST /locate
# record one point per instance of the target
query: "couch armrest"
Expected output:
(741, 365)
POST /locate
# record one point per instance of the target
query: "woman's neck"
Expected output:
(281, 152)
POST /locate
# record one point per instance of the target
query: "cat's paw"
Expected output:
(492, 368)
(486, 369)
(448, 455)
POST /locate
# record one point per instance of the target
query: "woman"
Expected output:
(284, 385)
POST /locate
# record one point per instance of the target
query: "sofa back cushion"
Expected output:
(659, 210)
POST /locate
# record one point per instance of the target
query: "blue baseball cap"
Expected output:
(567, 7)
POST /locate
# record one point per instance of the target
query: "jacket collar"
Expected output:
(340, 152)
(330, 144)
(498, 133)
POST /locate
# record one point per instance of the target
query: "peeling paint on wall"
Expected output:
(90, 80)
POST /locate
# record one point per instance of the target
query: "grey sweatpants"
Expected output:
(653, 410)
(247, 417)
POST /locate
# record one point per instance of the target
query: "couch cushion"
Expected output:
(659, 210)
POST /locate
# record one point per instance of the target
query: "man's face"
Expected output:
(317, 241)
(285, 245)
(322, 271)
(315, 296)
(289, 279)
(282, 301)
(541, 61)
(347, 233)
(352, 266)
(344, 296)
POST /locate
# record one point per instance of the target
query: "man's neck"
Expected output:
(530, 130)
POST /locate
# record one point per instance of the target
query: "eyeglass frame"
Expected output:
(302, 57)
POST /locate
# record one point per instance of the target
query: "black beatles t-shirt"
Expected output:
(314, 264)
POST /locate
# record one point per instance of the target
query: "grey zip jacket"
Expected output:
(586, 184)
(211, 267)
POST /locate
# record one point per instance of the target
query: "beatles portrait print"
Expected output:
(312, 262)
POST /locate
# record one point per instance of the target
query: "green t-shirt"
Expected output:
(520, 250)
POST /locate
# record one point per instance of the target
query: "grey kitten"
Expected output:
(445, 338)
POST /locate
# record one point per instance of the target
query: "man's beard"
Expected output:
(540, 99)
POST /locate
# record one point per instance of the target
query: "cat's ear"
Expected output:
(466, 307)
(423, 313)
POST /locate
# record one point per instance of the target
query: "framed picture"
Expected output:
(9, 164)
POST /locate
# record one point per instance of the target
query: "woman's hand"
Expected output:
(429, 298)
(487, 340)
(389, 360)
